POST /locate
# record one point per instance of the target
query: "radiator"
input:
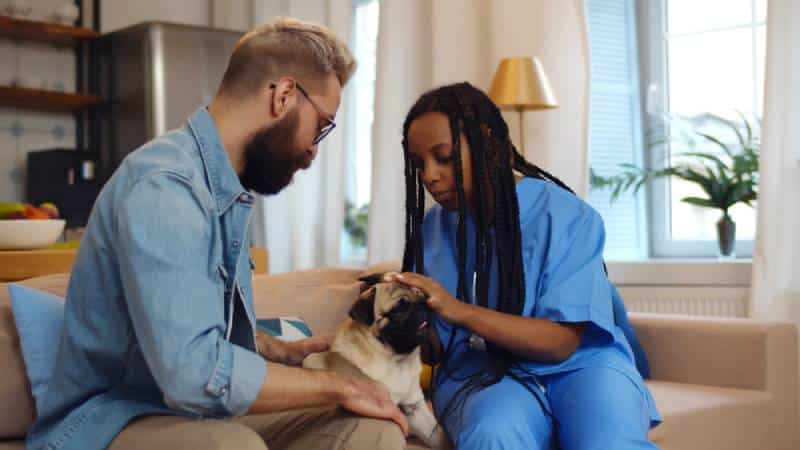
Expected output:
(692, 300)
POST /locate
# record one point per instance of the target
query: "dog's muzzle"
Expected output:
(408, 326)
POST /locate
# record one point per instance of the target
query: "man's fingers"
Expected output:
(327, 337)
(316, 345)
(401, 420)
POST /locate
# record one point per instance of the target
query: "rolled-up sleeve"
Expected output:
(573, 285)
(176, 305)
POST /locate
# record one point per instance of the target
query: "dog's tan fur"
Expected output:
(357, 350)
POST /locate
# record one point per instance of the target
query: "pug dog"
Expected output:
(388, 324)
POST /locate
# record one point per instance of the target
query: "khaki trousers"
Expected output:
(325, 428)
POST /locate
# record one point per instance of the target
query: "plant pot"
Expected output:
(726, 237)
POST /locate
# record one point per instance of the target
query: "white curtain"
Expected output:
(303, 224)
(403, 73)
(424, 44)
(776, 284)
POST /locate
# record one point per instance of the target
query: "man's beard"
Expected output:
(269, 164)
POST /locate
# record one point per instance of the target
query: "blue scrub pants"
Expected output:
(596, 408)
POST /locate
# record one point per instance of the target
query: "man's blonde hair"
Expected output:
(286, 47)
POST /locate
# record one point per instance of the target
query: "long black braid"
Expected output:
(494, 161)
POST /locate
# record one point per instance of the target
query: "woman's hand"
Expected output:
(439, 299)
(530, 338)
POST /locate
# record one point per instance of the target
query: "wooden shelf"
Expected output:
(44, 31)
(38, 99)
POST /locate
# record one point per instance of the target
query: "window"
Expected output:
(615, 122)
(657, 58)
(359, 134)
(703, 57)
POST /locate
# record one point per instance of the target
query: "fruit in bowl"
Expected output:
(21, 211)
(24, 226)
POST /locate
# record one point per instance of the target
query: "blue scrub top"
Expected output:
(562, 249)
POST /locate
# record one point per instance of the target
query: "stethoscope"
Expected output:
(476, 342)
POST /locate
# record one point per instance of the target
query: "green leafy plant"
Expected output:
(728, 174)
(355, 223)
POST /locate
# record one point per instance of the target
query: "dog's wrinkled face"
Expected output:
(398, 315)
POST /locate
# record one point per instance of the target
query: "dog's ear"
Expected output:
(363, 310)
(431, 347)
(371, 280)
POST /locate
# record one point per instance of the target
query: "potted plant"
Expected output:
(725, 169)
(356, 222)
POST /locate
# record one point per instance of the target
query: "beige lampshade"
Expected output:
(521, 84)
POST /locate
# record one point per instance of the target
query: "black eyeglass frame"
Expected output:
(330, 124)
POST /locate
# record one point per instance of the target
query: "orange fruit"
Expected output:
(33, 213)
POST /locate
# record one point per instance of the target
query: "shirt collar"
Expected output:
(223, 181)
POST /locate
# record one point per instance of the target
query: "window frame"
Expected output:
(653, 38)
(352, 256)
(639, 204)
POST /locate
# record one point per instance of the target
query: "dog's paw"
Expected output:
(439, 440)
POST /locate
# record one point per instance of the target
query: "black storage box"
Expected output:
(67, 178)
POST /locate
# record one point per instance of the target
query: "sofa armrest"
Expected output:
(723, 352)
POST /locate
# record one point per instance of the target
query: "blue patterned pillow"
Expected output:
(285, 328)
(39, 317)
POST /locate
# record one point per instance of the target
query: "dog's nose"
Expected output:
(395, 287)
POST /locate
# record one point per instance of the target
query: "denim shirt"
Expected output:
(159, 313)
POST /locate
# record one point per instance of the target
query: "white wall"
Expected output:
(466, 35)
(231, 14)
(116, 14)
(556, 33)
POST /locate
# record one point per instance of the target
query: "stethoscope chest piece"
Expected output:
(477, 343)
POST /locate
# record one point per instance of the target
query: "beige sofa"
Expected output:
(720, 384)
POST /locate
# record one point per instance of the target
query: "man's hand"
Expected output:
(287, 388)
(290, 353)
(371, 399)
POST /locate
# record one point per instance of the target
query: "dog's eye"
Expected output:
(402, 307)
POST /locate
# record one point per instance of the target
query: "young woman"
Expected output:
(536, 347)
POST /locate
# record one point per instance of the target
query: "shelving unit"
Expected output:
(53, 33)
(86, 103)
(80, 102)
(38, 99)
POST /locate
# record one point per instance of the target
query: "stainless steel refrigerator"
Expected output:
(155, 75)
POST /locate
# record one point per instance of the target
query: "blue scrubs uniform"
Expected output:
(597, 396)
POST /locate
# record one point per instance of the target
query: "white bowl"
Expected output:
(28, 234)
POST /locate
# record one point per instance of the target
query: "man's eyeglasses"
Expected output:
(323, 116)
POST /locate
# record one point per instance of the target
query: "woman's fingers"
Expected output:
(415, 280)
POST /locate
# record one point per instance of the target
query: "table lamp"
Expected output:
(521, 84)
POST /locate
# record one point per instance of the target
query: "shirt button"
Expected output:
(235, 244)
(223, 390)
(246, 198)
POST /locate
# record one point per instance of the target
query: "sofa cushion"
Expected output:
(15, 391)
(706, 417)
(322, 297)
(12, 445)
(39, 317)
(289, 328)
